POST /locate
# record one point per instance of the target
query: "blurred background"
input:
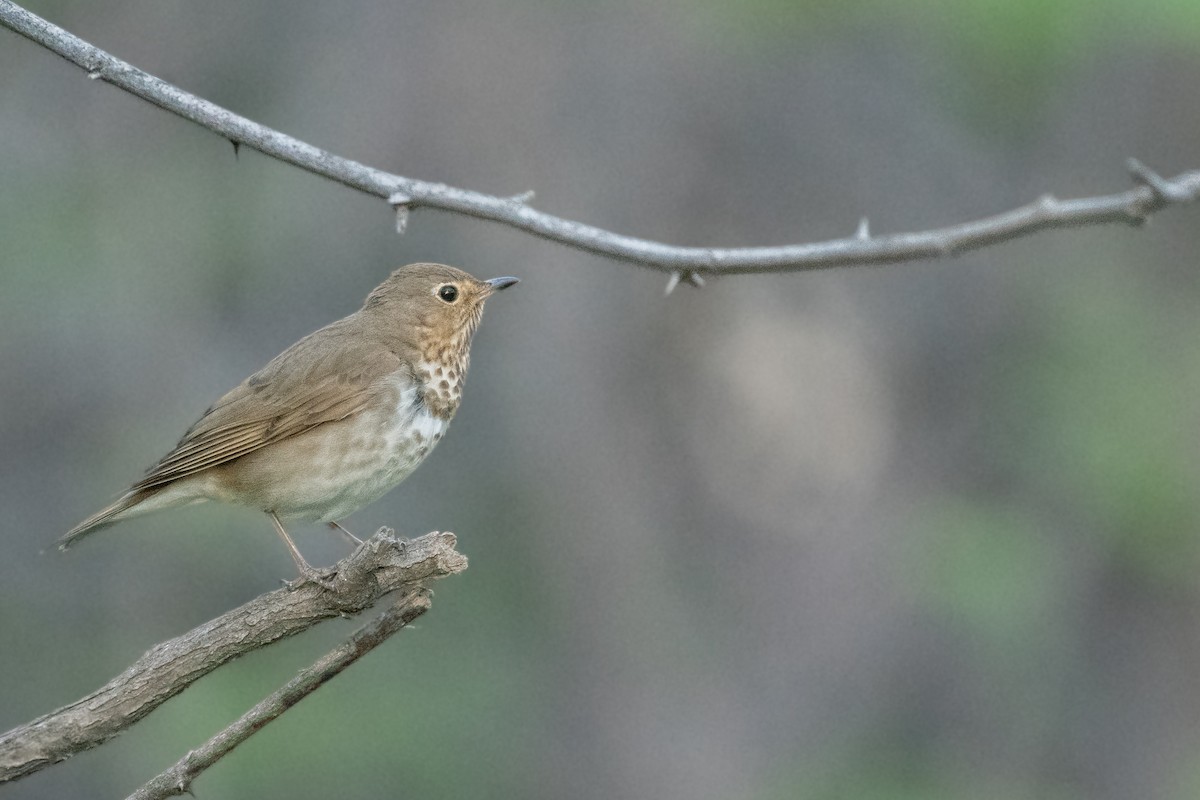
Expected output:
(929, 531)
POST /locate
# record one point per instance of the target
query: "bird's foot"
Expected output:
(321, 577)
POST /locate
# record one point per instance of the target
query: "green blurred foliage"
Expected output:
(1008, 33)
(990, 59)
(989, 573)
(1104, 398)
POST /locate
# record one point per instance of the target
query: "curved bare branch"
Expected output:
(687, 264)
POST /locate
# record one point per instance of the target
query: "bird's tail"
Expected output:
(130, 504)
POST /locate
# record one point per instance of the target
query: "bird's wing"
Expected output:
(317, 380)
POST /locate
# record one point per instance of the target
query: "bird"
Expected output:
(334, 421)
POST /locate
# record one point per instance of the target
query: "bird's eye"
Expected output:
(448, 293)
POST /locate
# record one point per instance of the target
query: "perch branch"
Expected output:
(380, 565)
(177, 779)
(686, 264)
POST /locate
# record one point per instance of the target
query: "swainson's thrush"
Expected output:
(334, 421)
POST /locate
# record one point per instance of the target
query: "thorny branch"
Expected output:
(682, 264)
(382, 564)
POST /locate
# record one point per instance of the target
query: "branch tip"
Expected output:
(1164, 191)
(401, 219)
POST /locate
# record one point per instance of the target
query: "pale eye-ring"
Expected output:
(449, 293)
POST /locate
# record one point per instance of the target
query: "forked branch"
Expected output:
(177, 779)
(683, 264)
(380, 565)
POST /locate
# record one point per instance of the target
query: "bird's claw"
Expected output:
(321, 577)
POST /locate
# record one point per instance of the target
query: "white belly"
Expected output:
(353, 462)
(367, 472)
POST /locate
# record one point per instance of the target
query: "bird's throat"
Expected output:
(442, 371)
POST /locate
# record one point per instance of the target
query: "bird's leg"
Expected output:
(307, 573)
(337, 526)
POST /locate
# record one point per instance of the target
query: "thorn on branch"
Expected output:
(236, 147)
(402, 203)
(690, 277)
(863, 231)
(522, 198)
(95, 74)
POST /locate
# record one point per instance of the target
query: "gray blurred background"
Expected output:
(926, 531)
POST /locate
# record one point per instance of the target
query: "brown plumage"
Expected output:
(334, 421)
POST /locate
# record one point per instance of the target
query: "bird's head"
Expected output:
(439, 303)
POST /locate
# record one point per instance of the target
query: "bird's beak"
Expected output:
(500, 284)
